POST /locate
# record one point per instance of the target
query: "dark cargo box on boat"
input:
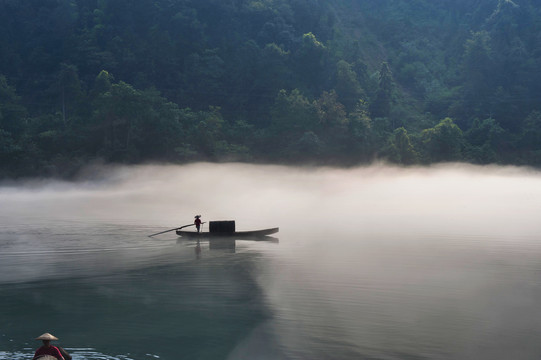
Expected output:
(222, 226)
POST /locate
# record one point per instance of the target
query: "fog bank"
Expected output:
(442, 199)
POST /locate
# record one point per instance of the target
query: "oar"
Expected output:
(178, 228)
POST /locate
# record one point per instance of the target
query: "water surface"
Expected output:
(369, 263)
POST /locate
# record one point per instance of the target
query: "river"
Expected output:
(370, 263)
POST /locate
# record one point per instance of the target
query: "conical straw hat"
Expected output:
(46, 336)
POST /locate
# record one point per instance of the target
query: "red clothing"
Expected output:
(51, 350)
(197, 223)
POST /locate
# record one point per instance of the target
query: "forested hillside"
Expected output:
(339, 82)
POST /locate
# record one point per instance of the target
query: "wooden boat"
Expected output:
(254, 234)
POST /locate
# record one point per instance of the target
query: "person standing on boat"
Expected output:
(47, 349)
(197, 222)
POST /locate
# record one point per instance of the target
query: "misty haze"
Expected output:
(371, 262)
(270, 179)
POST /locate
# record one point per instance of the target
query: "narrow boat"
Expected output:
(253, 234)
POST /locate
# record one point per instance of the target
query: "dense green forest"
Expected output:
(336, 82)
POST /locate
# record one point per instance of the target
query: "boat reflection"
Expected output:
(227, 244)
(222, 244)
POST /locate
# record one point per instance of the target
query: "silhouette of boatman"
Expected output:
(197, 222)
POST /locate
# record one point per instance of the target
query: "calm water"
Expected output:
(370, 263)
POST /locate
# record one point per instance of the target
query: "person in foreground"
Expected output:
(197, 222)
(48, 350)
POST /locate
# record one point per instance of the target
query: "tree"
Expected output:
(135, 125)
(9, 153)
(308, 147)
(309, 62)
(292, 115)
(207, 134)
(273, 73)
(69, 87)
(331, 113)
(102, 84)
(479, 74)
(347, 86)
(333, 122)
(530, 139)
(485, 141)
(360, 144)
(443, 142)
(381, 105)
(531, 131)
(293, 112)
(12, 113)
(400, 148)
(204, 78)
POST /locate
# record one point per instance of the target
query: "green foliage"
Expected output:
(529, 141)
(331, 113)
(12, 114)
(8, 151)
(309, 62)
(443, 142)
(306, 148)
(400, 149)
(381, 106)
(485, 142)
(531, 132)
(293, 112)
(102, 84)
(127, 120)
(347, 84)
(478, 69)
(337, 82)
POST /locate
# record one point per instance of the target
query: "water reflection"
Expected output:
(222, 244)
(198, 250)
(226, 244)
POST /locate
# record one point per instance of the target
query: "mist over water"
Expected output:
(373, 262)
(458, 198)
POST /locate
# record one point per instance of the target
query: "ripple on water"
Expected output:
(76, 353)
